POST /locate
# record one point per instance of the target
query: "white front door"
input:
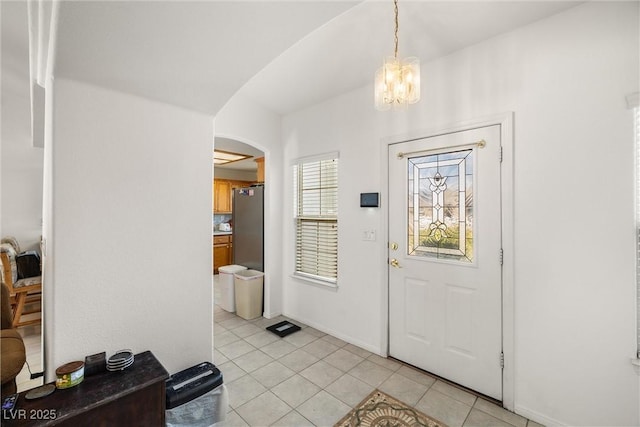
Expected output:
(445, 274)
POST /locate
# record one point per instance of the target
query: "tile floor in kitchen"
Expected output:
(310, 378)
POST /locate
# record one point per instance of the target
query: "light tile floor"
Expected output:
(313, 379)
(310, 378)
(32, 337)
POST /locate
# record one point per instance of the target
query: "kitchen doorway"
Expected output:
(236, 165)
(238, 218)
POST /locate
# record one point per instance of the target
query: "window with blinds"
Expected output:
(315, 183)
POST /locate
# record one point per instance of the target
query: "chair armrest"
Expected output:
(13, 354)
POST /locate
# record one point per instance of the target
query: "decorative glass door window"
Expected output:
(440, 206)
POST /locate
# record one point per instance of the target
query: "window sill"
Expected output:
(312, 280)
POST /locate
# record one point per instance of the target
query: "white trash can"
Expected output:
(248, 284)
(227, 290)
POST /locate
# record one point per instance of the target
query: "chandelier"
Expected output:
(397, 82)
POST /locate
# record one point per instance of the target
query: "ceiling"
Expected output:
(194, 54)
(285, 55)
(290, 54)
(234, 146)
(344, 54)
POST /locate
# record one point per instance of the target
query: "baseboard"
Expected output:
(343, 337)
(271, 315)
(537, 417)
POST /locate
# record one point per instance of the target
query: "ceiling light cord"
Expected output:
(395, 8)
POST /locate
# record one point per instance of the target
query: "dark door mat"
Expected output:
(283, 329)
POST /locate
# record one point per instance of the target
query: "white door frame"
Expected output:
(505, 121)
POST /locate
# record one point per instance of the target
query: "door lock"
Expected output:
(394, 263)
(393, 246)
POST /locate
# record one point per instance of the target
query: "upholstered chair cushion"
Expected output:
(13, 242)
(27, 282)
(13, 357)
(10, 250)
(12, 351)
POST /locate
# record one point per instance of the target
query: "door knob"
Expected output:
(394, 263)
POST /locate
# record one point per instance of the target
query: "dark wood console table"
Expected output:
(133, 397)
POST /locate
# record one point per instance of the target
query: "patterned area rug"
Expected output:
(381, 410)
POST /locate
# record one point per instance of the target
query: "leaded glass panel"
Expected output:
(440, 205)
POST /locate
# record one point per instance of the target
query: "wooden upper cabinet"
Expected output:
(260, 162)
(221, 196)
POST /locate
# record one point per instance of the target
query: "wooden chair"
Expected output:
(26, 293)
(12, 351)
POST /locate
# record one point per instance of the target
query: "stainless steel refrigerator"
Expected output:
(248, 227)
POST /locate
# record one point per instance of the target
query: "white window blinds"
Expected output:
(316, 217)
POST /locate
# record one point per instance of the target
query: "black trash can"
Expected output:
(196, 397)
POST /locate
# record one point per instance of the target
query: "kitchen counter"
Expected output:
(222, 233)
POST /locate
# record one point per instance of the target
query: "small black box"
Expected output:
(95, 364)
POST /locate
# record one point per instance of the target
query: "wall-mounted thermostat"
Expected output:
(369, 200)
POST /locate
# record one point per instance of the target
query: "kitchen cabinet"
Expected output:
(260, 163)
(223, 194)
(222, 251)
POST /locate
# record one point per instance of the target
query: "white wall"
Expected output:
(21, 164)
(128, 228)
(565, 78)
(354, 311)
(245, 121)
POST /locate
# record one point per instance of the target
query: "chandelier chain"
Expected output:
(395, 6)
